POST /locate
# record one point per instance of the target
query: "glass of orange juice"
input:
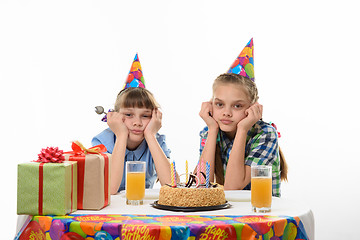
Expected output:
(261, 188)
(135, 182)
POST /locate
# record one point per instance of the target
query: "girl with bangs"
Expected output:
(133, 135)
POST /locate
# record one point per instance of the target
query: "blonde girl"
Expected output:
(236, 137)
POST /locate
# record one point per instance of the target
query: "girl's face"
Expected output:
(136, 120)
(229, 104)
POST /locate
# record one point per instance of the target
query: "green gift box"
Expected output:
(47, 188)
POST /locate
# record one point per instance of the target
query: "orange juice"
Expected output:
(261, 192)
(135, 185)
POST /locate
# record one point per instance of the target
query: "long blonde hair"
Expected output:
(252, 91)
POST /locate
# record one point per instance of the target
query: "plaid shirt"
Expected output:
(261, 149)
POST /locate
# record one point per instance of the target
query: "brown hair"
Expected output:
(135, 97)
(219, 169)
(283, 166)
(252, 91)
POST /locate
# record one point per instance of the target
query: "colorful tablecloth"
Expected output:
(148, 227)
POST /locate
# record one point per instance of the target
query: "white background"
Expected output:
(60, 59)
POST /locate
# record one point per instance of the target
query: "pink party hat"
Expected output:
(244, 63)
(135, 77)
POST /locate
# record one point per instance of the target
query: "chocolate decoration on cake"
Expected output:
(194, 179)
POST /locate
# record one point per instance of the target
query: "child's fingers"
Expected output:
(210, 110)
(158, 114)
(115, 118)
(203, 107)
(256, 110)
(155, 122)
(206, 108)
(251, 112)
(109, 114)
(110, 117)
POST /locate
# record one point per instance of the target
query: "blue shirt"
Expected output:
(141, 153)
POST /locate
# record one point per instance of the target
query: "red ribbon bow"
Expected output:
(79, 149)
(273, 124)
(50, 155)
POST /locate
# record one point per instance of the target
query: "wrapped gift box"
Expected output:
(93, 177)
(47, 188)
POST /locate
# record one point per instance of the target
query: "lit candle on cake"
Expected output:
(207, 174)
(202, 170)
(172, 175)
(198, 171)
(186, 171)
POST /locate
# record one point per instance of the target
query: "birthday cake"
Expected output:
(192, 196)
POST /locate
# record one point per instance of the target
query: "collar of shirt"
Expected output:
(136, 154)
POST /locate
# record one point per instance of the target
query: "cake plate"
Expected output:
(190, 209)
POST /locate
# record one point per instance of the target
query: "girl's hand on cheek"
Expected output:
(253, 114)
(155, 123)
(206, 113)
(115, 121)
